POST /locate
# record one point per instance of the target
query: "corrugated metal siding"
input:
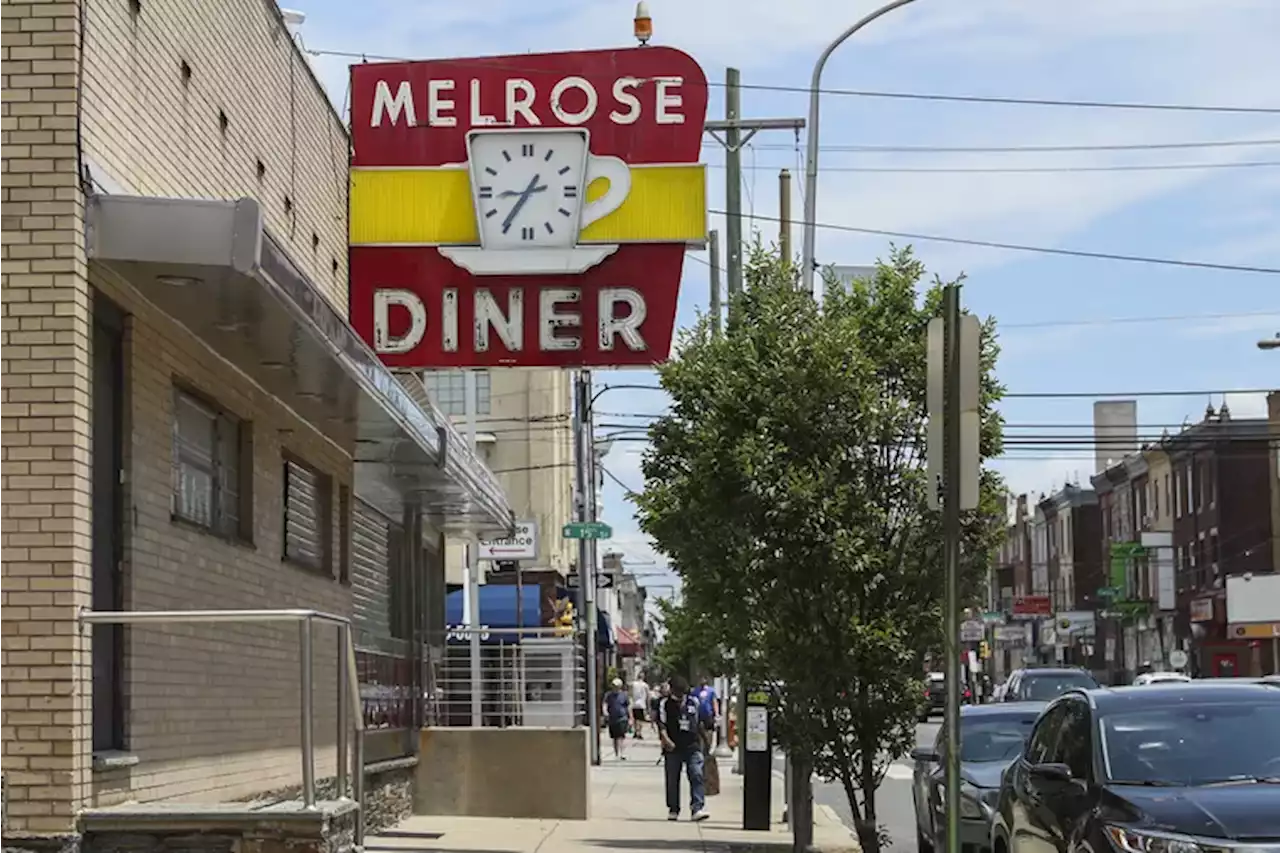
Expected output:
(371, 572)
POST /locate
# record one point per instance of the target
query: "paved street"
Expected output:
(893, 799)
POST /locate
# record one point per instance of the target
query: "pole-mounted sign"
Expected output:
(527, 211)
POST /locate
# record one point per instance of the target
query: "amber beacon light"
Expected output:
(644, 24)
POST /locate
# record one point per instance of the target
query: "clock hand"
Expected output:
(520, 202)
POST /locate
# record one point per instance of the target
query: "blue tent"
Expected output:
(497, 609)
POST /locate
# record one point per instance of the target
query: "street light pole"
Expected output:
(808, 253)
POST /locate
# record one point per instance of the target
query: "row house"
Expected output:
(1011, 581)
(1176, 519)
(1073, 563)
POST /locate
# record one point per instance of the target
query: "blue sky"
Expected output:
(1161, 51)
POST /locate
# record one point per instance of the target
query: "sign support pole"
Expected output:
(951, 537)
(713, 252)
(473, 569)
(582, 434)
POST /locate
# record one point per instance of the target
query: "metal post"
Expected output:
(308, 718)
(586, 567)
(344, 686)
(733, 182)
(713, 249)
(473, 570)
(951, 537)
(784, 215)
(808, 261)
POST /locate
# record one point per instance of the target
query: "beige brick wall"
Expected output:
(158, 133)
(212, 710)
(44, 392)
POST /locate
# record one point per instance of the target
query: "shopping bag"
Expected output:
(711, 775)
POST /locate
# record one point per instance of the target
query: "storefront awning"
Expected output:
(629, 645)
(212, 266)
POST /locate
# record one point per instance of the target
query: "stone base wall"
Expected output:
(388, 792)
(334, 834)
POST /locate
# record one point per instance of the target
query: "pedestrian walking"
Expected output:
(709, 702)
(616, 706)
(681, 727)
(639, 706)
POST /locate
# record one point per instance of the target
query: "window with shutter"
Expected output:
(307, 522)
(209, 448)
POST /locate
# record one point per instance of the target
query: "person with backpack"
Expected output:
(617, 707)
(681, 723)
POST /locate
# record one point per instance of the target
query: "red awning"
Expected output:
(628, 643)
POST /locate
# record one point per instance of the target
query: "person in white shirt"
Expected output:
(639, 706)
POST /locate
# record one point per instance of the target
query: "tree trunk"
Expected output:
(868, 826)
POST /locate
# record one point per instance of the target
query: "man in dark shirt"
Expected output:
(680, 732)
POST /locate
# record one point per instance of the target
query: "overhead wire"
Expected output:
(1015, 170)
(1028, 149)
(891, 95)
(1044, 250)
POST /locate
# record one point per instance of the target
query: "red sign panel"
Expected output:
(479, 235)
(1033, 605)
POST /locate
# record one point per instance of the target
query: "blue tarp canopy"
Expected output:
(498, 607)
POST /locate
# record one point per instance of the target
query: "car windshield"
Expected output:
(996, 738)
(1043, 687)
(1193, 743)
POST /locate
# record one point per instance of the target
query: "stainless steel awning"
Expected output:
(212, 266)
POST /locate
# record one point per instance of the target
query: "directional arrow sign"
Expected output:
(587, 530)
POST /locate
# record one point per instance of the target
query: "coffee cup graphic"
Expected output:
(529, 188)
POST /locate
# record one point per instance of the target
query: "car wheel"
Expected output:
(923, 844)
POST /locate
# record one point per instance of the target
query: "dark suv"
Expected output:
(1182, 767)
(1046, 683)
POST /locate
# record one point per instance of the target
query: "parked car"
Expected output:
(1044, 683)
(1167, 767)
(991, 736)
(934, 700)
(1160, 678)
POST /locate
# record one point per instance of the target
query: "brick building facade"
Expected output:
(189, 423)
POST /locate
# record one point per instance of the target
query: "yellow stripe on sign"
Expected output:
(667, 204)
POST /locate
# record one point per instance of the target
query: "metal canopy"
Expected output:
(212, 266)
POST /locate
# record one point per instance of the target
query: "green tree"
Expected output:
(787, 483)
(690, 644)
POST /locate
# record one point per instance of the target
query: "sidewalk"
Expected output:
(628, 815)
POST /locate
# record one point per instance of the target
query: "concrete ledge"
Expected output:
(537, 773)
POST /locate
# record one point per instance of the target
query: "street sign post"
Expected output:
(586, 530)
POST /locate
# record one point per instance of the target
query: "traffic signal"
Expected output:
(984, 650)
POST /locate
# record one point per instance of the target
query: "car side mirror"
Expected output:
(925, 754)
(1057, 773)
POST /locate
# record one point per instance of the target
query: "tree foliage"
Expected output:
(787, 485)
(690, 645)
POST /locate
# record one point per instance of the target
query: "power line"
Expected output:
(1012, 170)
(1120, 395)
(1044, 250)
(1025, 149)
(1115, 321)
(868, 93)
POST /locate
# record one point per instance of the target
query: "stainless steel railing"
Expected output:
(350, 712)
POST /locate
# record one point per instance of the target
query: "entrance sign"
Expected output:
(528, 211)
(521, 545)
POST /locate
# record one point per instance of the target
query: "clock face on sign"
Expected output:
(528, 187)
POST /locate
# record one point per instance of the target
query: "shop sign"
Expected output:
(1201, 610)
(527, 211)
(522, 544)
(1032, 605)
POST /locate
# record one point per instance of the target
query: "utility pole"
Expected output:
(737, 133)
(583, 505)
(952, 391)
(713, 248)
(784, 215)
(473, 568)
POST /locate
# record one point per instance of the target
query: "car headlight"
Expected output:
(975, 804)
(1129, 840)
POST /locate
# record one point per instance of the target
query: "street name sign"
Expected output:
(587, 530)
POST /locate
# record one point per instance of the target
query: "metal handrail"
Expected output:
(350, 711)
